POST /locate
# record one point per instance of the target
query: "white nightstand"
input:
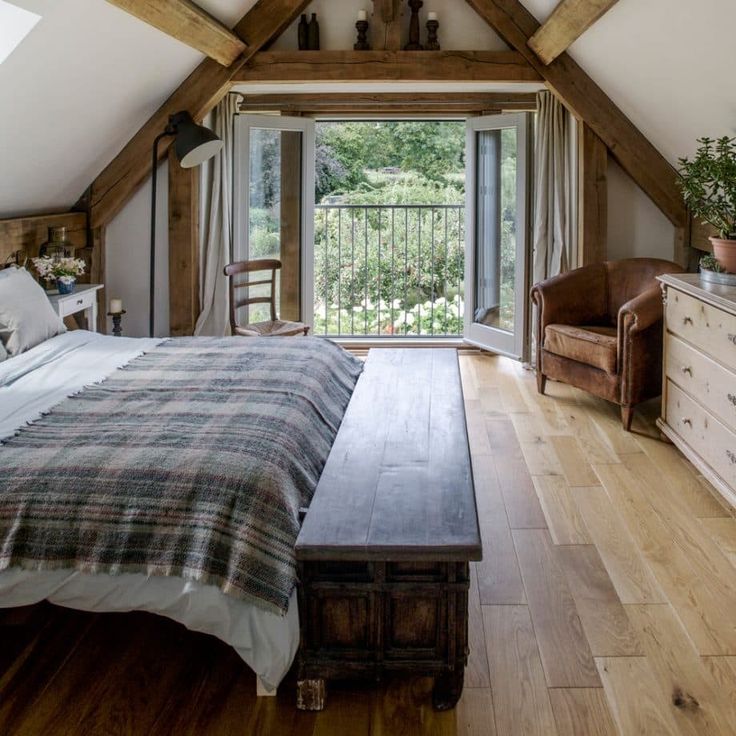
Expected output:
(82, 299)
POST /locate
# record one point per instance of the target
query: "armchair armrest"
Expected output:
(641, 312)
(574, 298)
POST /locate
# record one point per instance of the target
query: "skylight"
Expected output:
(15, 24)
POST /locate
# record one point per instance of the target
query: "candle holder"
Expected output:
(117, 318)
(414, 44)
(433, 43)
(362, 42)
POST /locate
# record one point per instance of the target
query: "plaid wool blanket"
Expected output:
(191, 461)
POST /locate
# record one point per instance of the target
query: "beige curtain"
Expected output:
(216, 233)
(553, 196)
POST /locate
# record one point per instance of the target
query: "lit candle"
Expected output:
(362, 15)
(116, 306)
(431, 15)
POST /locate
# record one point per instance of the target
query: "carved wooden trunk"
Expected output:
(364, 619)
(385, 548)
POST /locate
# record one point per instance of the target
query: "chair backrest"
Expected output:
(629, 277)
(233, 270)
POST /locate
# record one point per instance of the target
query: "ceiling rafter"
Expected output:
(633, 151)
(568, 21)
(188, 23)
(198, 94)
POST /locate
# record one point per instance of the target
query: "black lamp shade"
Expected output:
(194, 143)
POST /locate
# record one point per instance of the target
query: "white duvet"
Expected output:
(30, 385)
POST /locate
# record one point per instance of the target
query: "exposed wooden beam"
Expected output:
(379, 66)
(198, 94)
(592, 197)
(188, 23)
(638, 157)
(568, 21)
(183, 247)
(405, 102)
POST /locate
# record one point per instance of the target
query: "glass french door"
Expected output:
(497, 253)
(273, 207)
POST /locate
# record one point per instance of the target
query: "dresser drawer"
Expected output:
(707, 436)
(76, 303)
(707, 327)
(708, 382)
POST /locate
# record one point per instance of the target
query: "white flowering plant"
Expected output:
(65, 270)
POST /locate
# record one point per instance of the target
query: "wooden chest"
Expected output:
(699, 391)
(384, 550)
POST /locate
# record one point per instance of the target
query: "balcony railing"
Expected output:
(389, 270)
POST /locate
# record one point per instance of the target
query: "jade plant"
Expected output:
(708, 183)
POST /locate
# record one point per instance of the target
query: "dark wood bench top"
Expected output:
(398, 483)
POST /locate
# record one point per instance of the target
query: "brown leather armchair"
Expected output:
(600, 329)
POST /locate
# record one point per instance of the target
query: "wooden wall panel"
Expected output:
(27, 233)
(592, 197)
(183, 247)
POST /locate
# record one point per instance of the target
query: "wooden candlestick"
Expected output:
(117, 318)
(414, 44)
(433, 43)
(362, 42)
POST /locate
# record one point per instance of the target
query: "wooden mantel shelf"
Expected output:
(380, 66)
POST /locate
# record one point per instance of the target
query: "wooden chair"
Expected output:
(274, 326)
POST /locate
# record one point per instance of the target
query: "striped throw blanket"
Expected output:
(192, 461)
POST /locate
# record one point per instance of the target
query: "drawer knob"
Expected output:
(687, 369)
(687, 320)
(732, 399)
(731, 456)
(688, 422)
(80, 301)
(732, 338)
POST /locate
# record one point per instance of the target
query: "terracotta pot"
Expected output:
(725, 253)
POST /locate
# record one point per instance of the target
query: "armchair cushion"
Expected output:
(592, 345)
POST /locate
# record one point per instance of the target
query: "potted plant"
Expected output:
(708, 183)
(63, 271)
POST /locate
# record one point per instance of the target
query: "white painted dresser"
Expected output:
(699, 384)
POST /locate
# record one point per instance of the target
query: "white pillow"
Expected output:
(3, 353)
(26, 315)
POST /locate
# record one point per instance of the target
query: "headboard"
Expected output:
(27, 233)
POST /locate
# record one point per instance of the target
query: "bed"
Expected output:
(91, 426)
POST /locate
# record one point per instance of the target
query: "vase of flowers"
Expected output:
(708, 184)
(62, 271)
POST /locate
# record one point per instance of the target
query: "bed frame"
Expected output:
(385, 547)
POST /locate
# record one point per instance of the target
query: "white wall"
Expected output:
(128, 239)
(636, 227)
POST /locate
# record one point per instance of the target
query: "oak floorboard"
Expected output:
(565, 523)
(474, 714)
(592, 444)
(523, 509)
(630, 687)
(683, 681)
(629, 573)
(723, 532)
(575, 467)
(539, 454)
(706, 616)
(582, 711)
(499, 579)
(605, 623)
(520, 698)
(691, 489)
(700, 548)
(476, 671)
(563, 647)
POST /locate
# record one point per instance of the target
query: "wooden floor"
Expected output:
(606, 603)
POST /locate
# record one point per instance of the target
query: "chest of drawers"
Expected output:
(699, 382)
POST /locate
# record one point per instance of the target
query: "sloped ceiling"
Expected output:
(89, 75)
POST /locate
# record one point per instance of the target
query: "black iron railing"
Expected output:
(389, 270)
